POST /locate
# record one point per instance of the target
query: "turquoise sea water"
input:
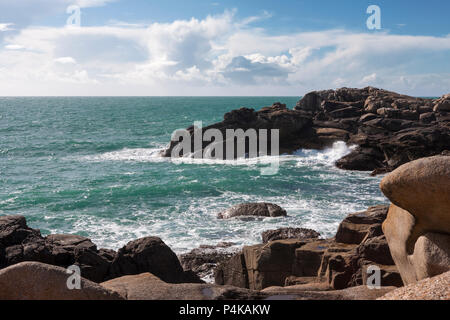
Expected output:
(90, 166)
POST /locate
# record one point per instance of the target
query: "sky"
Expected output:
(221, 48)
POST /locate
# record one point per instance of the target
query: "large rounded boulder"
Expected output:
(418, 223)
(422, 188)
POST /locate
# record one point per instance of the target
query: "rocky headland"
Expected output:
(389, 129)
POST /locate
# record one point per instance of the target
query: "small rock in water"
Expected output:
(253, 210)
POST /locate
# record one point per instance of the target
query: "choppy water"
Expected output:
(90, 166)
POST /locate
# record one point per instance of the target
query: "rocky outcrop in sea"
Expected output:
(387, 128)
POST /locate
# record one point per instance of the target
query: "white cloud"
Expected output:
(6, 27)
(370, 79)
(66, 60)
(14, 47)
(90, 3)
(216, 55)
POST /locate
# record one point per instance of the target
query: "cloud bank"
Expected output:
(217, 55)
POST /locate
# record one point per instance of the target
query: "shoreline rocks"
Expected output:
(303, 268)
(336, 263)
(389, 129)
(19, 243)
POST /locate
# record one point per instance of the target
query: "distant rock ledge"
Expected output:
(389, 129)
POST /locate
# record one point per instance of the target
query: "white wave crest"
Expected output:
(136, 155)
(304, 157)
(327, 156)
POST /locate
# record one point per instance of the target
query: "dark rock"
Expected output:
(67, 250)
(310, 102)
(424, 109)
(442, 105)
(409, 115)
(20, 243)
(361, 159)
(260, 266)
(390, 277)
(290, 124)
(254, 210)
(204, 260)
(355, 227)
(330, 106)
(367, 117)
(308, 258)
(148, 254)
(289, 233)
(427, 117)
(270, 264)
(347, 112)
(342, 269)
(389, 113)
(14, 230)
(332, 134)
(375, 249)
(232, 272)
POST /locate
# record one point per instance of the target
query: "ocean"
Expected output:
(91, 166)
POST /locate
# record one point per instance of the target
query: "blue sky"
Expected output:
(200, 47)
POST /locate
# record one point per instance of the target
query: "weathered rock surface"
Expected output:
(19, 243)
(355, 227)
(389, 129)
(422, 188)
(152, 255)
(270, 264)
(420, 193)
(232, 272)
(339, 263)
(299, 293)
(289, 233)
(38, 281)
(436, 288)
(431, 255)
(203, 260)
(146, 286)
(253, 210)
